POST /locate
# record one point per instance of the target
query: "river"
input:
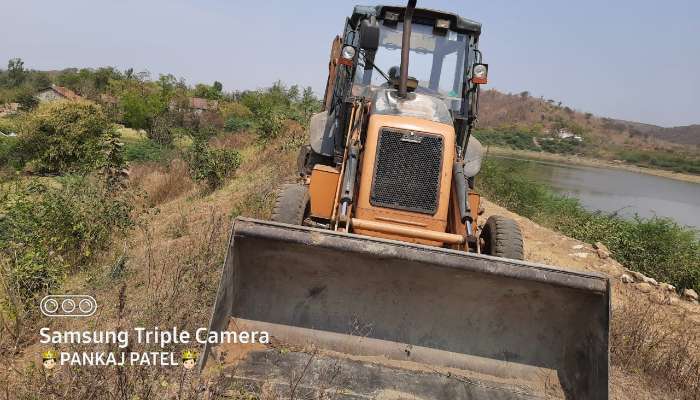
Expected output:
(616, 190)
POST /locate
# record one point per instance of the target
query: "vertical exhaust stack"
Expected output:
(406, 47)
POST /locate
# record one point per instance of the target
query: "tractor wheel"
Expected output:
(292, 205)
(501, 237)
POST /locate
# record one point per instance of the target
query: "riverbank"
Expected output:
(656, 246)
(589, 162)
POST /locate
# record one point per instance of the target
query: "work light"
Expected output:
(347, 55)
(442, 24)
(348, 52)
(480, 73)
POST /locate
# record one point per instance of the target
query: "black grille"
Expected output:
(407, 171)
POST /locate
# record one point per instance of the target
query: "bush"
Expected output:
(147, 150)
(211, 166)
(47, 229)
(674, 161)
(234, 109)
(271, 107)
(562, 146)
(65, 137)
(515, 139)
(657, 247)
(8, 152)
(9, 125)
(237, 124)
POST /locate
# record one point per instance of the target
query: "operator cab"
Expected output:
(436, 69)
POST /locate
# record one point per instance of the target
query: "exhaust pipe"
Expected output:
(406, 47)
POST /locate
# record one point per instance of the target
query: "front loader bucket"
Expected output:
(463, 325)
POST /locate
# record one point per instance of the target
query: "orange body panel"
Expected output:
(364, 210)
(322, 189)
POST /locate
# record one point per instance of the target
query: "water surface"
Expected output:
(617, 190)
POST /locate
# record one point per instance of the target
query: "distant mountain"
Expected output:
(679, 134)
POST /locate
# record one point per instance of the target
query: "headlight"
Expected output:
(348, 52)
(480, 73)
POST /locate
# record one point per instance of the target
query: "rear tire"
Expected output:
(502, 238)
(292, 205)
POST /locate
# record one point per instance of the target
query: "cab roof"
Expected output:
(420, 16)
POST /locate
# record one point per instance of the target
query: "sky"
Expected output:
(637, 60)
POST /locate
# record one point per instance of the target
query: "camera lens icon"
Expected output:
(68, 305)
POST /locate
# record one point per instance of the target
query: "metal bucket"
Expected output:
(509, 323)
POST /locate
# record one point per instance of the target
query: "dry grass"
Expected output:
(162, 183)
(233, 140)
(663, 346)
(168, 273)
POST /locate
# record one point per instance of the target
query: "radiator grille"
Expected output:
(407, 171)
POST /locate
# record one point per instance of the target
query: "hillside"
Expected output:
(678, 134)
(522, 122)
(498, 109)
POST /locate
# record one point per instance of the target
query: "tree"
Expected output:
(140, 107)
(208, 92)
(41, 80)
(293, 93)
(218, 87)
(309, 103)
(16, 72)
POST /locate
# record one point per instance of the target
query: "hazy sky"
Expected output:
(629, 59)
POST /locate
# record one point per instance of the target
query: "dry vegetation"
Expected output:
(166, 274)
(663, 345)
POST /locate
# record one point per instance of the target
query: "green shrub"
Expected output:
(237, 124)
(211, 166)
(65, 137)
(657, 247)
(271, 107)
(49, 228)
(515, 139)
(147, 150)
(674, 161)
(561, 146)
(9, 125)
(234, 109)
(8, 152)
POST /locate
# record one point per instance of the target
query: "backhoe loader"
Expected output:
(377, 265)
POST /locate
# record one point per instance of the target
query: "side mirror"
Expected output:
(369, 36)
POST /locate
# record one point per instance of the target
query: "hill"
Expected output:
(522, 122)
(498, 109)
(689, 134)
